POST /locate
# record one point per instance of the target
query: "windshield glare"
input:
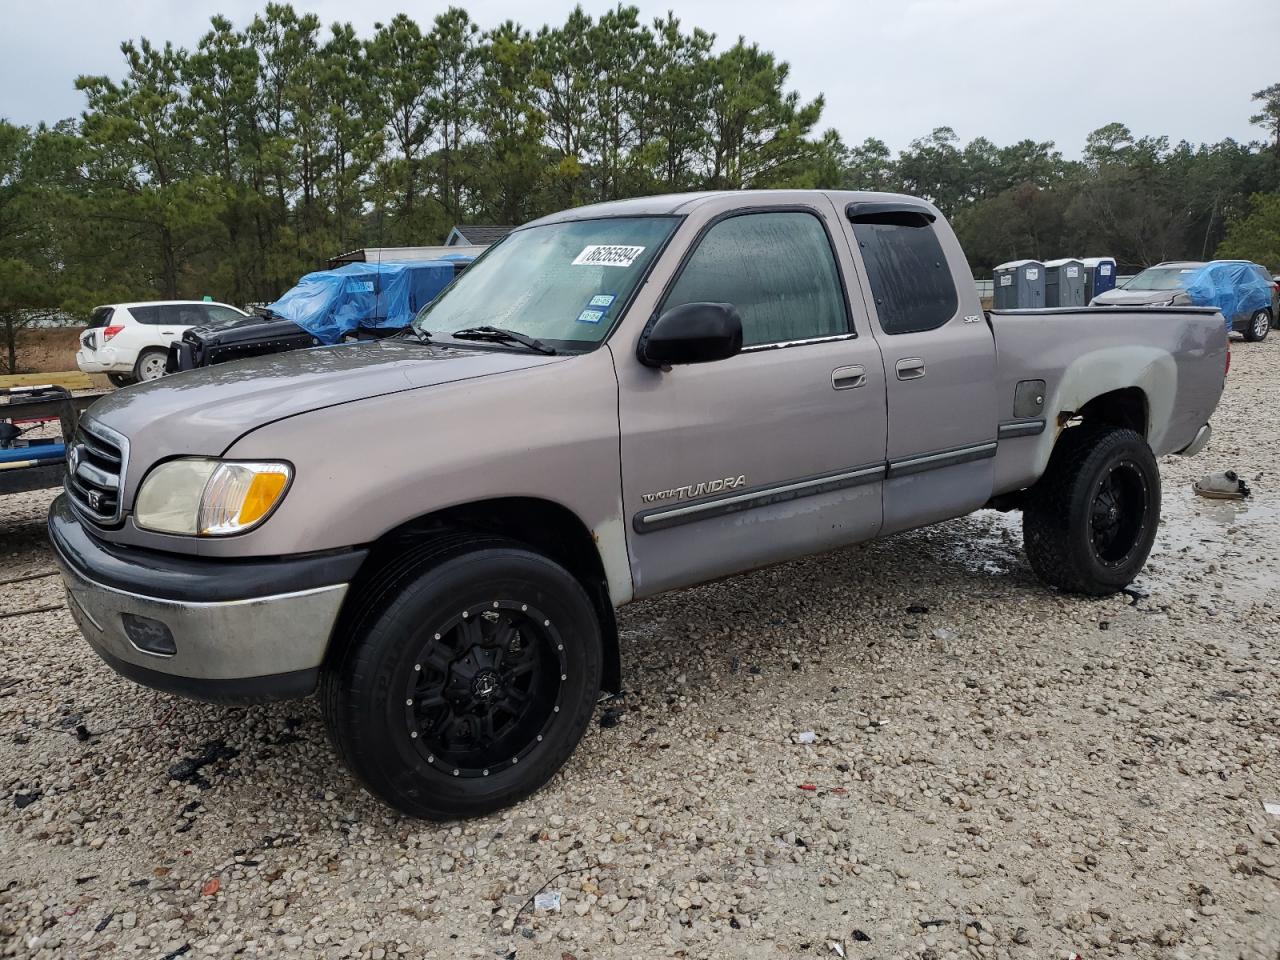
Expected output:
(1162, 278)
(562, 283)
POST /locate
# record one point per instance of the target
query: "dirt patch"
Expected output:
(48, 350)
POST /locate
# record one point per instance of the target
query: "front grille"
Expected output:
(96, 461)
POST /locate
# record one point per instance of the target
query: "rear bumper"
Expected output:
(105, 360)
(224, 631)
(1202, 437)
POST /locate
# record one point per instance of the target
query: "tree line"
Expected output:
(232, 168)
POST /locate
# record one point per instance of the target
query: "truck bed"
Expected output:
(1176, 357)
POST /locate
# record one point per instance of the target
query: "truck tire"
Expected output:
(1259, 326)
(470, 672)
(1089, 523)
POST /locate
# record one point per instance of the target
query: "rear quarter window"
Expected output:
(908, 272)
(100, 317)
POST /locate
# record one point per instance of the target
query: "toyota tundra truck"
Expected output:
(434, 530)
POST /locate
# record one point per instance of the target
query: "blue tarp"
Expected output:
(1236, 288)
(329, 304)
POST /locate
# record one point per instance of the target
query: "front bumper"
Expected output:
(231, 631)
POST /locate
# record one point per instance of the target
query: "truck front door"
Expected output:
(939, 362)
(770, 454)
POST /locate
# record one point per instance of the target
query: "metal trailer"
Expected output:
(1064, 283)
(1018, 284)
(36, 464)
(1099, 276)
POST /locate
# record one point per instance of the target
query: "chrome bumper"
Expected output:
(213, 641)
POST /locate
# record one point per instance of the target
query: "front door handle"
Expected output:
(911, 368)
(846, 378)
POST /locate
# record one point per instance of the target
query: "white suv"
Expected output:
(130, 341)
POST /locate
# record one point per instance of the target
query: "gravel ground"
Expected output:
(909, 749)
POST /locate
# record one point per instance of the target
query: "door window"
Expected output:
(908, 272)
(776, 268)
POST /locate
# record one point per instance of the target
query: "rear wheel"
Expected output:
(150, 365)
(471, 674)
(1089, 524)
(1259, 326)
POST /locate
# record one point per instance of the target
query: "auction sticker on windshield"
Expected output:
(607, 255)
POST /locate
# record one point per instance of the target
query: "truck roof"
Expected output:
(668, 204)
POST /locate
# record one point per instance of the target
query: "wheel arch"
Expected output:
(544, 525)
(1126, 407)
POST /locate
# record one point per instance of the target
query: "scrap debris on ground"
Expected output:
(906, 749)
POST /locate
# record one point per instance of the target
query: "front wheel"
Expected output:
(1089, 523)
(470, 674)
(1259, 326)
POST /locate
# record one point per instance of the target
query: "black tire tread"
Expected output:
(350, 668)
(374, 595)
(1049, 509)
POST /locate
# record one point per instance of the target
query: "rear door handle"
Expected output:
(846, 378)
(912, 368)
(167, 333)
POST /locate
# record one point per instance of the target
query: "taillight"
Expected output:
(109, 332)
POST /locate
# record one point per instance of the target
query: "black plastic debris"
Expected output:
(611, 717)
(103, 923)
(24, 800)
(917, 608)
(188, 770)
(82, 733)
(861, 937)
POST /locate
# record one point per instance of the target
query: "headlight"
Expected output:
(210, 498)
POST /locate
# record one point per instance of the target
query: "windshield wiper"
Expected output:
(424, 336)
(502, 335)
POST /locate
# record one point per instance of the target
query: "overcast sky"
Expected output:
(893, 69)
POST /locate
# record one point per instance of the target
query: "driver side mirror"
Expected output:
(691, 333)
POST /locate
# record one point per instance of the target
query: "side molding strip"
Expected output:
(1021, 428)
(944, 458)
(766, 496)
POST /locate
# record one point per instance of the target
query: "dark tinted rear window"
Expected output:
(180, 314)
(908, 272)
(152, 315)
(100, 317)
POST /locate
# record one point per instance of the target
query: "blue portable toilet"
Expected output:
(1099, 276)
(1018, 284)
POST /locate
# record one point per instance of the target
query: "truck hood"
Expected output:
(1135, 298)
(204, 411)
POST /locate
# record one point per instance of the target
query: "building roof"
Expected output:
(480, 234)
(383, 254)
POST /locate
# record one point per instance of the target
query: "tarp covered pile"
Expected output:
(329, 304)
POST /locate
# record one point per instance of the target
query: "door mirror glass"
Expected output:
(692, 333)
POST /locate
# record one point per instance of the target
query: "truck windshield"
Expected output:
(562, 283)
(1162, 278)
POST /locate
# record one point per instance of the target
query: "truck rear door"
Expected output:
(939, 363)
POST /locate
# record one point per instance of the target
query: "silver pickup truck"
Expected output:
(435, 530)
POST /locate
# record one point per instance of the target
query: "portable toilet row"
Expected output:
(1068, 282)
(1018, 283)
